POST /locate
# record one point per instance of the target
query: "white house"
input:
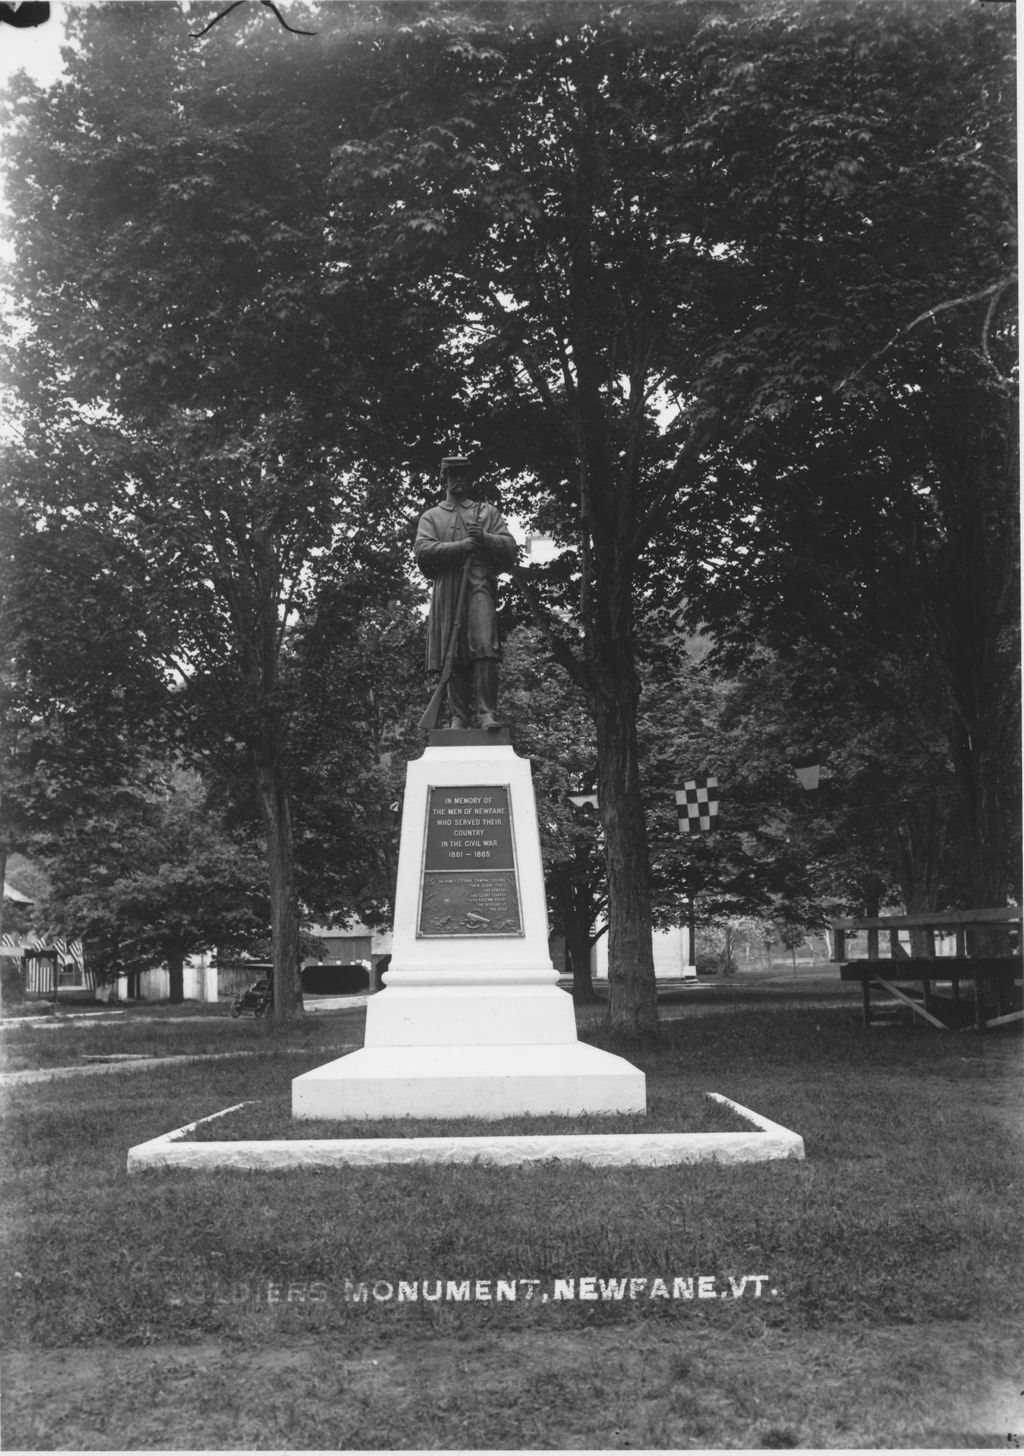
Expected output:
(672, 958)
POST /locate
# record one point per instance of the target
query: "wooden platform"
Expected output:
(919, 979)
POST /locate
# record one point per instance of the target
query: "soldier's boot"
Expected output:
(459, 686)
(485, 681)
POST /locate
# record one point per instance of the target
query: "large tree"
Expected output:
(154, 880)
(183, 343)
(652, 230)
(83, 701)
(884, 569)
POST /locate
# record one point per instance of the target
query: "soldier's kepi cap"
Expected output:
(455, 462)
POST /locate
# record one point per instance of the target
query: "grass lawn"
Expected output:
(70, 1040)
(867, 1297)
(672, 1106)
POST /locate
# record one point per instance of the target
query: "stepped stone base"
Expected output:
(567, 1079)
(473, 1016)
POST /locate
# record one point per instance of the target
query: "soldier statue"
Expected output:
(462, 545)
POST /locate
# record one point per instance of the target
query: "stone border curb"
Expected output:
(603, 1150)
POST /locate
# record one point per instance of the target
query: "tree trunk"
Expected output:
(11, 976)
(981, 773)
(919, 835)
(632, 992)
(571, 891)
(577, 955)
(284, 899)
(987, 859)
(986, 841)
(261, 649)
(976, 641)
(176, 969)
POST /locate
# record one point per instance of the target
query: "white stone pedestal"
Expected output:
(471, 1022)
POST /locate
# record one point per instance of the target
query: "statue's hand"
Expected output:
(468, 545)
(475, 530)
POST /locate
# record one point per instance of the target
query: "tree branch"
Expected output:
(987, 325)
(560, 649)
(689, 455)
(196, 34)
(993, 291)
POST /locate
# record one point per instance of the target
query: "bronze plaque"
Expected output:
(470, 903)
(469, 876)
(469, 829)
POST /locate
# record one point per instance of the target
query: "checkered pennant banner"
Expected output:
(697, 805)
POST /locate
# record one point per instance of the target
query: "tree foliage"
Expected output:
(655, 234)
(184, 347)
(553, 729)
(719, 291)
(156, 881)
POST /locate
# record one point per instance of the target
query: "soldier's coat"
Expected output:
(441, 558)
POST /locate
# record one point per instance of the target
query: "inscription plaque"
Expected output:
(469, 884)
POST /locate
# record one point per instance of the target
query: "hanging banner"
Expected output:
(697, 805)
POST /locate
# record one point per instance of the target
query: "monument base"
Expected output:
(563, 1079)
(460, 1015)
(471, 1021)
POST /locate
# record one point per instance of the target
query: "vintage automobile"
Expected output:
(258, 999)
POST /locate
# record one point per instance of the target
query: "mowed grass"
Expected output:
(65, 1040)
(672, 1106)
(222, 1310)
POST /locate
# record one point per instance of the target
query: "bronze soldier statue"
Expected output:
(462, 545)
